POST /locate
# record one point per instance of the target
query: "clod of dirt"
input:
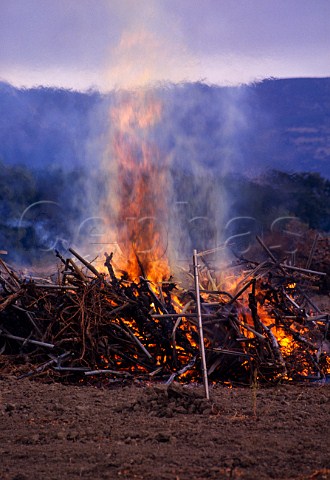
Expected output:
(9, 407)
(162, 438)
(167, 401)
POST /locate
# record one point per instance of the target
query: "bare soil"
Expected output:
(50, 430)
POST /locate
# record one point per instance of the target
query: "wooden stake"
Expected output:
(200, 326)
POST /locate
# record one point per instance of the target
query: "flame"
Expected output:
(136, 208)
(136, 203)
(291, 335)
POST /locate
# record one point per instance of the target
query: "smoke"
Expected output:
(149, 160)
(148, 177)
(194, 137)
(202, 138)
(162, 192)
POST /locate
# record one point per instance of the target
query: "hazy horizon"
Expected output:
(117, 44)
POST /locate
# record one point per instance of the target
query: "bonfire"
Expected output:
(127, 317)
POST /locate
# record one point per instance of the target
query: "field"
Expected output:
(135, 431)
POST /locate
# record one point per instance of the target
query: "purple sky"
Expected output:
(118, 43)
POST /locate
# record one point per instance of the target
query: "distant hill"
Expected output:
(259, 152)
(293, 130)
(275, 124)
(45, 127)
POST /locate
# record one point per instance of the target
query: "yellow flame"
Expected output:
(136, 204)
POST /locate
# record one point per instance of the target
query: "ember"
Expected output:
(87, 323)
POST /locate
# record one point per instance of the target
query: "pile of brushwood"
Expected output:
(91, 325)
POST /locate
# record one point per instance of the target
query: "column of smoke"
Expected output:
(160, 200)
(157, 196)
(156, 207)
(205, 141)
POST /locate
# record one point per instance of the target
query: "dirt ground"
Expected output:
(50, 430)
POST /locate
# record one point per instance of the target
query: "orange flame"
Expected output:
(138, 197)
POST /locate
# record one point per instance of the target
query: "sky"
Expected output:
(106, 44)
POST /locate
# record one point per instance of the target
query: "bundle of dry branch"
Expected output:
(89, 323)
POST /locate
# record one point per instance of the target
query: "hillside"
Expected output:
(275, 124)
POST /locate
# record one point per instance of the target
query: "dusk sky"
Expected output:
(104, 44)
